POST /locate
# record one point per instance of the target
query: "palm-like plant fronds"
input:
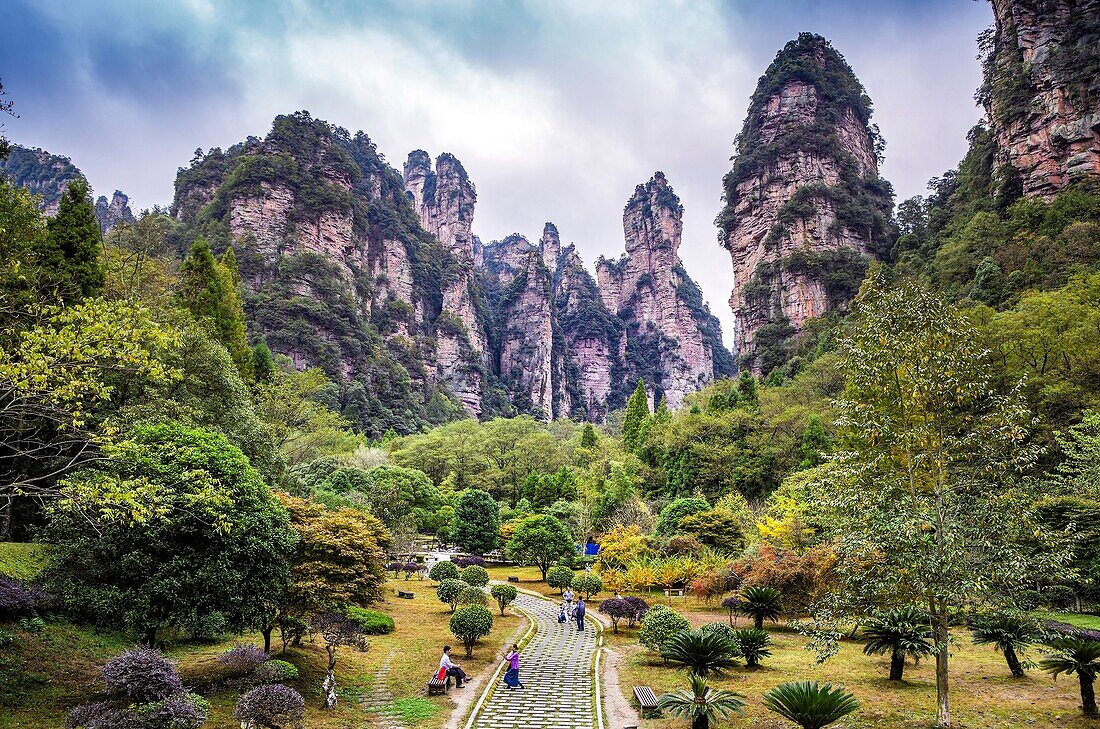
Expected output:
(754, 645)
(1076, 655)
(905, 631)
(761, 603)
(1010, 633)
(701, 651)
(701, 704)
(810, 704)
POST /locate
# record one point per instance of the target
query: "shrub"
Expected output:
(617, 609)
(733, 605)
(443, 571)
(641, 607)
(473, 596)
(141, 675)
(470, 561)
(470, 623)
(504, 595)
(800, 578)
(587, 583)
(681, 544)
(395, 567)
(241, 660)
(671, 515)
(6, 638)
(660, 624)
(209, 627)
(372, 622)
(761, 603)
(475, 575)
(449, 591)
(271, 706)
(727, 633)
(410, 569)
(703, 652)
(32, 625)
(559, 576)
(754, 645)
(809, 704)
(275, 671)
(17, 599)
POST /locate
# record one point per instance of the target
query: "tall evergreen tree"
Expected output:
(637, 410)
(209, 289)
(71, 256)
(589, 439)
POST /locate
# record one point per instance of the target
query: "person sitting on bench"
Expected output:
(451, 669)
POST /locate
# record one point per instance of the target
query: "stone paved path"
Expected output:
(556, 671)
(379, 699)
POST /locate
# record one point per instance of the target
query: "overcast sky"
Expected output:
(556, 109)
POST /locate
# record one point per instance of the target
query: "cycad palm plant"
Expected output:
(1076, 654)
(753, 644)
(761, 603)
(905, 631)
(810, 704)
(1009, 633)
(701, 651)
(701, 704)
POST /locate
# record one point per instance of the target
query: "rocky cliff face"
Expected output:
(115, 212)
(670, 338)
(1042, 92)
(804, 206)
(444, 200)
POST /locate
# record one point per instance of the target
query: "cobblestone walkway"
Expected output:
(556, 672)
(379, 700)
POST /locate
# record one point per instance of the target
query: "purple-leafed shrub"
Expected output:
(395, 567)
(272, 705)
(18, 599)
(182, 711)
(142, 676)
(1060, 628)
(641, 607)
(243, 659)
(462, 562)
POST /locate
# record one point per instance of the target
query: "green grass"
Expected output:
(1080, 620)
(21, 560)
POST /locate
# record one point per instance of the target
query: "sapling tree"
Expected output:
(588, 584)
(470, 623)
(337, 631)
(923, 498)
(504, 595)
(559, 576)
(450, 591)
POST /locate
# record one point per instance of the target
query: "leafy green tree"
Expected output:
(474, 575)
(443, 570)
(716, 528)
(1081, 656)
(74, 244)
(288, 401)
(175, 524)
(659, 625)
(637, 410)
(587, 584)
(809, 704)
(470, 623)
(589, 439)
(669, 520)
(925, 489)
(505, 595)
(477, 522)
(22, 280)
(540, 540)
(702, 704)
(450, 591)
(1010, 633)
(559, 576)
(263, 364)
(209, 289)
(902, 632)
(761, 603)
(816, 443)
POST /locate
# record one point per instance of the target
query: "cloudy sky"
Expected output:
(557, 109)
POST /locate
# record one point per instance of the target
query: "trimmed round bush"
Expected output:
(443, 571)
(372, 622)
(275, 671)
(142, 676)
(724, 630)
(241, 659)
(272, 706)
(559, 576)
(473, 596)
(475, 575)
(449, 591)
(470, 623)
(660, 624)
(504, 595)
(588, 584)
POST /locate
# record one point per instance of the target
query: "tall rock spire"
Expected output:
(805, 205)
(671, 338)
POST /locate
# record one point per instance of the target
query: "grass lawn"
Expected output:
(43, 675)
(1080, 620)
(21, 560)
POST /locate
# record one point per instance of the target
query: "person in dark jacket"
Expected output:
(579, 612)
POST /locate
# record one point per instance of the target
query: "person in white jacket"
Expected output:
(452, 668)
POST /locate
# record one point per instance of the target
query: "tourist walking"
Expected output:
(569, 596)
(579, 612)
(511, 676)
(450, 668)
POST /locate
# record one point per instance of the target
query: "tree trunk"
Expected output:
(1013, 662)
(941, 632)
(700, 722)
(897, 664)
(151, 637)
(266, 632)
(329, 688)
(5, 525)
(759, 622)
(1088, 695)
(469, 648)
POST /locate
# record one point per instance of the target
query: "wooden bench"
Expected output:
(513, 578)
(406, 594)
(647, 700)
(674, 592)
(438, 685)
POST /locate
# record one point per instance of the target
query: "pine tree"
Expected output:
(71, 254)
(588, 436)
(263, 365)
(637, 410)
(209, 290)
